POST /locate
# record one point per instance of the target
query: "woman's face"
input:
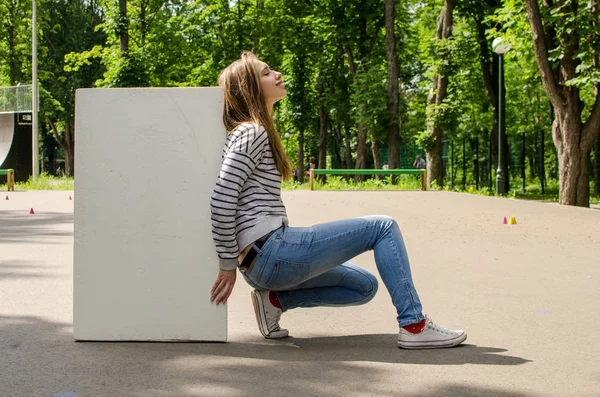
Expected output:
(271, 84)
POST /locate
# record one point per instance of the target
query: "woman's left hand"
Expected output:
(223, 286)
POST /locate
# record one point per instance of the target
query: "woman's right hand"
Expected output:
(223, 287)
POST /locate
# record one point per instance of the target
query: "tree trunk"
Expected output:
(361, 150)
(393, 137)
(70, 150)
(67, 145)
(322, 129)
(376, 158)
(124, 29)
(573, 168)
(364, 53)
(300, 163)
(597, 168)
(347, 139)
(532, 160)
(435, 166)
(597, 93)
(573, 190)
(338, 142)
(434, 160)
(573, 138)
(437, 94)
(542, 161)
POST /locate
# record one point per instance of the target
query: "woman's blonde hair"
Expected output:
(244, 102)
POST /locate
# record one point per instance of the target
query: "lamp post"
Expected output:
(500, 47)
(34, 93)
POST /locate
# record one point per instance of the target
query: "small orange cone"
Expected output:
(31, 212)
(512, 221)
(504, 222)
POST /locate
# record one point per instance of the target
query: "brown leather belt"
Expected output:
(252, 255)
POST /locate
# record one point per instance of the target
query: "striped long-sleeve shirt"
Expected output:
(246, 201)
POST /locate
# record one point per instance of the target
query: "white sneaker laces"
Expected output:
(273, 315)
(436, 328)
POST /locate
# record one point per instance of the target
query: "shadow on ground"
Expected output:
(378, 348)
(20, 227)
(22, 269)
(40, 358)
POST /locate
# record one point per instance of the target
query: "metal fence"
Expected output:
(408, 152)
(15, 99)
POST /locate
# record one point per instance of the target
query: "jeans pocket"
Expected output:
(286, 274)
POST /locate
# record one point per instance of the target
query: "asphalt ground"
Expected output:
(527, 294)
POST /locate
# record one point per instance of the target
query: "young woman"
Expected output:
(292, 267)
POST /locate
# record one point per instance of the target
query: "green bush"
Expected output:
(44, 182)
(335, 182)
(533, 191)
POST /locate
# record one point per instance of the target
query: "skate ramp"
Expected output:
(7, 131)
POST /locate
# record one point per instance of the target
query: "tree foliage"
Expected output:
(335, 63)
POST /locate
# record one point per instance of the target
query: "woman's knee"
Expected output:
(363, 282)
(371, 287)
(383, 220)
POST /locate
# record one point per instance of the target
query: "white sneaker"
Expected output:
(267, 316)
(432, 337)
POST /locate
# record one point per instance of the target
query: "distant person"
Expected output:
(385, 166)
(311, 165)
(419, 163)
(292, 267)
(59, 172)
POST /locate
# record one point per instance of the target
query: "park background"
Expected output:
(368, 82)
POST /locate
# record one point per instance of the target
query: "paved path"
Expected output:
(528, 295)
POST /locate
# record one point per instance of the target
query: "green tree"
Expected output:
(15, 39)
(359, 27)
(565, 38)
(393, 87)
(437, 109)
(481, 14)
(66, 26)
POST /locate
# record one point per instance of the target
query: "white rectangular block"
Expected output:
(146, 162)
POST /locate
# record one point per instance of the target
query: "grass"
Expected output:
(409, 182)
(44, 182)
(333, 182)
(405, 182)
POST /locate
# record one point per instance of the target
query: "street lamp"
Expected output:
(34, 93)
(500, 47)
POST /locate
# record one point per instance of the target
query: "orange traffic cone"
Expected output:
(31, 212)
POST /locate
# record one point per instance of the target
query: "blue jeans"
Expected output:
(308, 266)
